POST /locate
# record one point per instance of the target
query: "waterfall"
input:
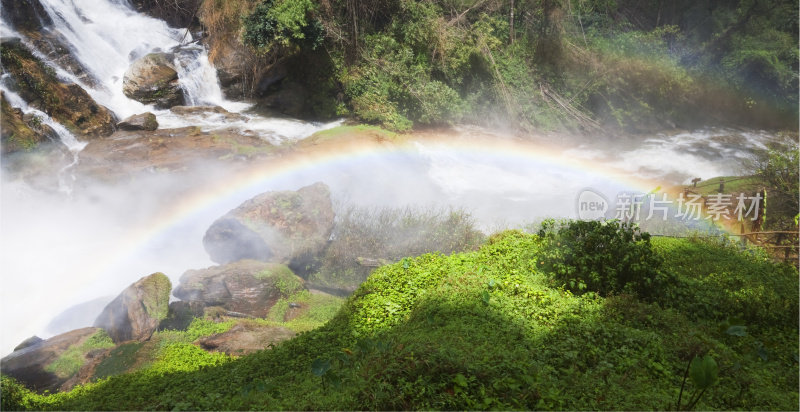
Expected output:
(106, 36)
(65, 176)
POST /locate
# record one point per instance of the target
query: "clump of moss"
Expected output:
(157, 289)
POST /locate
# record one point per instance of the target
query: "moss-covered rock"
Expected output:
(67, 103)
(137, 311)
(49, 364)
(16, 135)
(248, 286)
(152, 79)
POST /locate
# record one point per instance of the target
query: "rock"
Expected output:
(67, 103)
(28, 343)
(285, 227)
(25, 15)
(137, 311)
(143, 121)
(176, 13)
(181, 315)
(245, 338)
(290, 98)
(152, 79)
(50, 363)
(206, 112)
(16, 134)
(248, 286)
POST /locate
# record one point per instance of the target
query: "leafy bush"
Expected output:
(283, 23)
(603, 257)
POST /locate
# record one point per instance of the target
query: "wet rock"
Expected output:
(33, 340)
(248, 286)
(137, 311)
(209, 113)
(36, 366)
(245, 338)
(143, 121)
(67, 103)
(284, 227)
(290, 98)
(181, 315)
(152, 79)
(16, 134)
(25, 15)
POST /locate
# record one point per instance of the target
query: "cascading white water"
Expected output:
(106, 36)
(65, 176)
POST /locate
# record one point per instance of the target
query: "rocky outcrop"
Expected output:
(285, 227)
(143, 121)
(137, 311)
(245, 338)
(152, 79)
(248, 286)
(25, 15)
(49, 364)
(20, 132)
(175, 13)
(33, 340)
(67, 103)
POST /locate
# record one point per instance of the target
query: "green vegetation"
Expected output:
(366, 238)
(156, 289)
(494, 329)
(602, 257)
(550, 64)
(73, 358)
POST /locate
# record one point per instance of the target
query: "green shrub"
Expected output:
(282, 22)
(603, 257)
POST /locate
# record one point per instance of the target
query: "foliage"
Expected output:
(282, 23)
(602, 257)
(384, 235)
(778, 169)
(421, 334)
(69, 362)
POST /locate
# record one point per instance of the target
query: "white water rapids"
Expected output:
(47, 240)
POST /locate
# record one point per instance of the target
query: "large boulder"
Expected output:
(67, 103)
(291, 227)
(144, 121)
(152, 79)
(48, 364)
(245, 338)
(137, 311)
(247, 287)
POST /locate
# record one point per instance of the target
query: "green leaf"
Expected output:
(485, 297)
(460, 380)
(320, 366)
(737, 330)
(703, 371)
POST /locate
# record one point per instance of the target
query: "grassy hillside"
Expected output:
(505, 327)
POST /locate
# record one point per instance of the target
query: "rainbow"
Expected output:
(257, 176)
